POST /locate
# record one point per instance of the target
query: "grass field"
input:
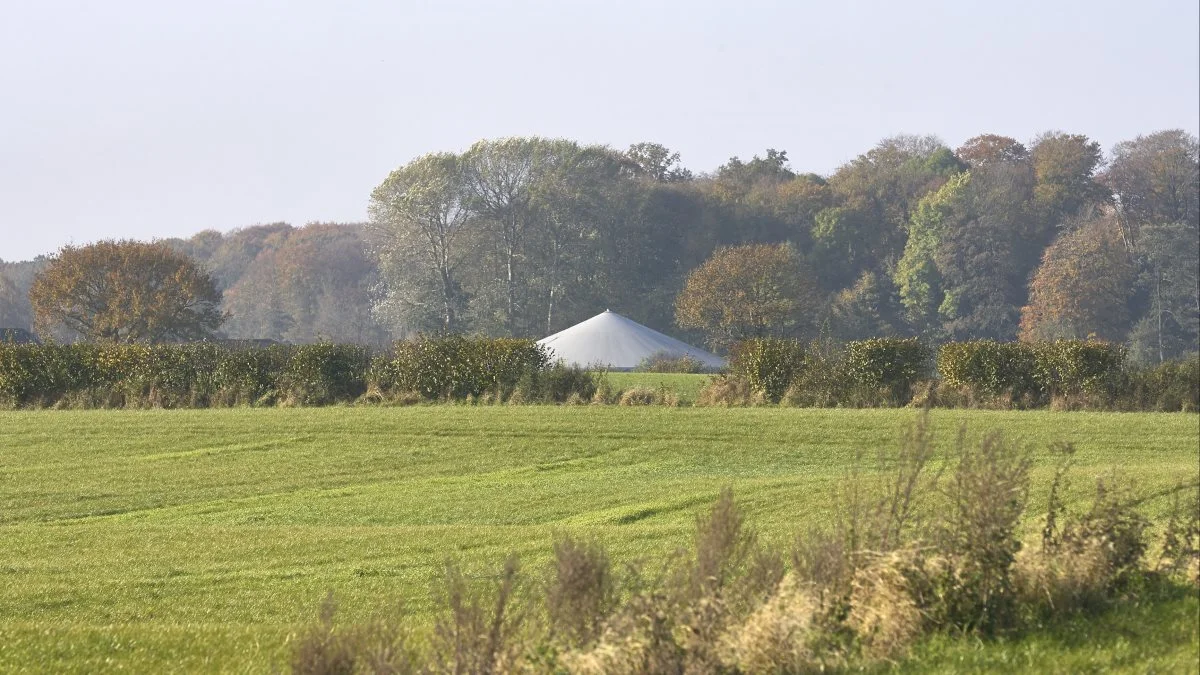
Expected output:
(683, 385)
(200, 540)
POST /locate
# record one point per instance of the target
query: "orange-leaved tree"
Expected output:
(1082, 288)
(749, 291)
(125, 291)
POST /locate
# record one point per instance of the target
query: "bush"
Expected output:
(455, 367)
(977, 532)
(1078, 367)
(989, 371)
(581, 594)
(823, 382)
(325, 373)
(884, 371)
(769, 365)
(639, 396)
(559, 383)
(665, 363)
(379, 646)
(480, 631)
(728, 391)
(249, 375)
(1173, 386)
(893, 365)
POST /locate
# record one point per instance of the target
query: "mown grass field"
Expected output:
(685, 386)
(156, 541)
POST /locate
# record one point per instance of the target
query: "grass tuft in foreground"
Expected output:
(928, 546)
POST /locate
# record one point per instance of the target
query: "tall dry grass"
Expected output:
(925, 541)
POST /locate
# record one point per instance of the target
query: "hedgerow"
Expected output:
(768, 364)
(209, 374)
(1066, 374)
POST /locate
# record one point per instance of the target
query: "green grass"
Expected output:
(1161, 635)
(200, 540)
(684, 385)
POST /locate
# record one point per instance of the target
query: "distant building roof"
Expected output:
(613, 341)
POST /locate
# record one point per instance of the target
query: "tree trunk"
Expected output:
(512, 297)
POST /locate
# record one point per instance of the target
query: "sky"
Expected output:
(151, 119)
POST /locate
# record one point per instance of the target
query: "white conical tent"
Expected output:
(610, 340)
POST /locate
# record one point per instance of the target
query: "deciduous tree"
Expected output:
(749, 291)
(500, 178)
(1169, 257)
(1157, 178)
(991, 149)
(1082, 288)
(656, 162)
(1064, 168)
(418, 215)
(10, 302)
(125, 291)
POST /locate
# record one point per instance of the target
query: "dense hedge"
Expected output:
(770, 365)
(884, 369)
(1064, 374)
(1029, 374)
(456, 367)
(191, 375)
(1067, 374)
(208, 374)
(891, 366)
(986, 368)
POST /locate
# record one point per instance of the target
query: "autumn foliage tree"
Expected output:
(1082, 288)
(749, 291)
(125, 291)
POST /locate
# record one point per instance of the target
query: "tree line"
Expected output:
(996, 239)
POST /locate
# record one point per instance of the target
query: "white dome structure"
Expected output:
(609, 340)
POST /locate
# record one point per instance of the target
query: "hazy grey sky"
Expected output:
(158, 118)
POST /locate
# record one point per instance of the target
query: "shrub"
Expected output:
(247, 375)
(480, 631)
(379, 646)
(1078, 367)
(776, 637)
(321, 651)
(822, 383)
(1181, 540)
(883, 612)
(325, 373)
(454, 367)
(1172, 386)
(987, 495)
(639, 396)
(605, 394)
(990, 370)
(768, 364)
(728, 391)
(581, 594)
(559, 383)
(666, 363)
(1086, 559)
(1113, 528)
(893, 365)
